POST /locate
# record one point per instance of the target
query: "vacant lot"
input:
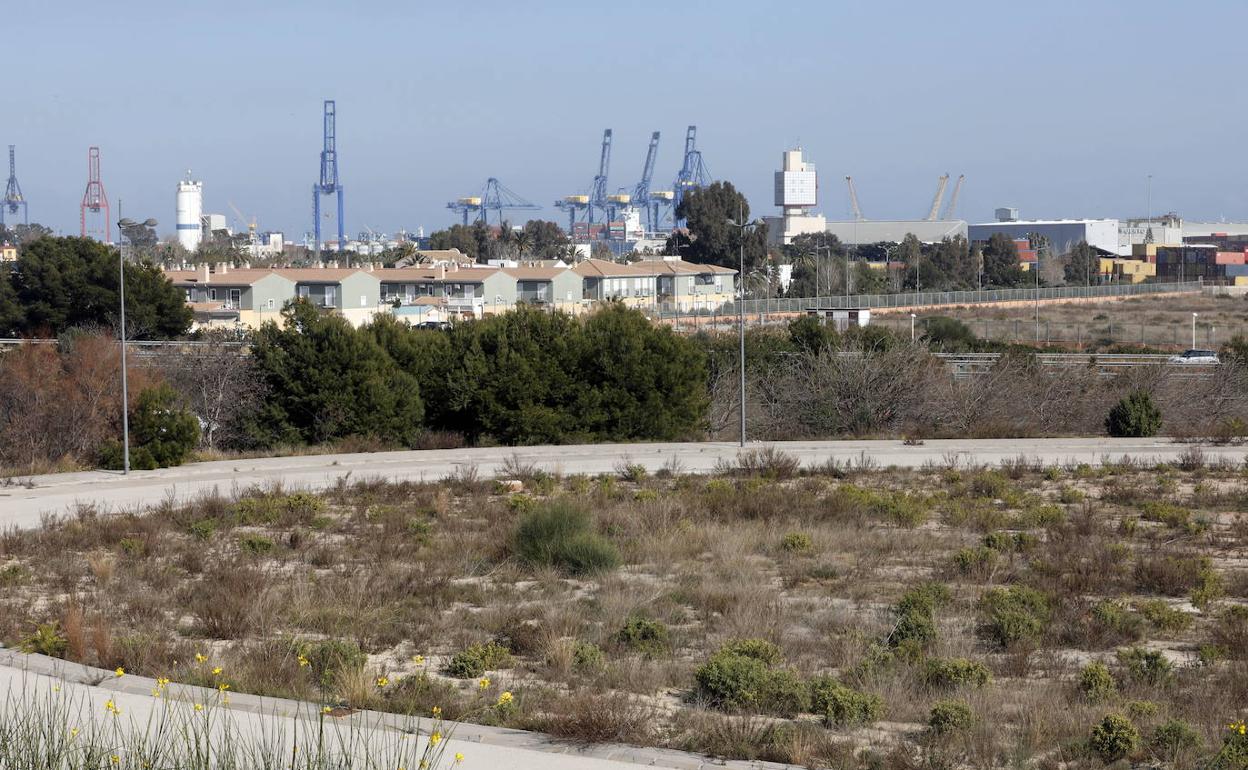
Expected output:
(1161, 322)
(991, 617)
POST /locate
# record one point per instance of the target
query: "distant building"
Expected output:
(895, 231)
(1062, 234)
(8, 252)
(797, 192)
(1167, 228)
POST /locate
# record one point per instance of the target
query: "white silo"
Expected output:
(190, 208)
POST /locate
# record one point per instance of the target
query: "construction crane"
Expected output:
(598, 193)
(641, 193)
(94, 199)
(495, 197)
(252, 238)
(952, 211)
(573, 204)
(853, 200)
(940, 194)
(329, 184)
(13, 198)
(693, 173)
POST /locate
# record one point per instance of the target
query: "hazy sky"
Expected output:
(1060, 108)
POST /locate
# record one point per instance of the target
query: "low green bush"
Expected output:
(1113, 738)
(949, 716)
(1172, 738)
(1162, 616)
(977, 561)
(843, 706)
(758, 649)
(951, 673)
(560, 534)
(587, 656)
(732, 681)
(1135, 416)
(476, 659)
(796, 542)
(255, 545)
(1096, 682)
(47, 639)
(641, 634)
(1231, 631)
(330, 658)
(1014, 616)
(1115, 620)
(1146, 666)
(915, 628)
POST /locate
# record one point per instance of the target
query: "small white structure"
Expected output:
(797, 191)
(190, 207)
(843, 318)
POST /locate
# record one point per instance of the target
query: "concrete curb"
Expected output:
(503, 737)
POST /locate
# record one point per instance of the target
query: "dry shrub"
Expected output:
(75, 633)
(61, 402)
(229, 602)
(587, 716)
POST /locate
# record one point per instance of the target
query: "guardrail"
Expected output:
(968, 364)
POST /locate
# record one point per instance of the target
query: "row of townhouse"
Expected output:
(227, 296)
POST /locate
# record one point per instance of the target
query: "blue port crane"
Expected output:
(495, 197)
(13, 198)
(598, 193)
(641, 193)
(693, 174)
(330, 184)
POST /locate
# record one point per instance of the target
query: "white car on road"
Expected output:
(1196, 356)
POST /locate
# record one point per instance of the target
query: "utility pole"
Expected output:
(125, 386)
(743, 227)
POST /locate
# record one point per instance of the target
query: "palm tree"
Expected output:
(522, 241)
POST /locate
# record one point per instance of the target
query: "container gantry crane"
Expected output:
(329, 184)
(13, 198)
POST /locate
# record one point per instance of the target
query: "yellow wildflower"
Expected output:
(435, 738)
(303, 661)
(215, 672)
(505, 698)
(116, 760)
(199, 707)
(418, 660)
(437, 711)
(119, 671)
(484, 683)
(382, 681)
(200, 657)
(459, 757)
(223, 687)
(111, 707)
(325, 709)
(73, 733)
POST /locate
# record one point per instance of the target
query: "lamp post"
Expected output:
(1194, 329)
(912, 317)
(743, 226)
(125, 385)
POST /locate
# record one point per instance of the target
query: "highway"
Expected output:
(24, 501)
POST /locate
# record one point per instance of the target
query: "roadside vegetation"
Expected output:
(845, 616)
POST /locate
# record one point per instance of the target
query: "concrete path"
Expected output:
(24, 501)
(276, 724)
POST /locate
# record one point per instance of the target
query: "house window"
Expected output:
(236, 297)
(331, 296)
(212, 294)
(363, 301)
(271, 303)
(304, 291)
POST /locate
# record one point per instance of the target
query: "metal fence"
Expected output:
(1176, 335)
(755, 307)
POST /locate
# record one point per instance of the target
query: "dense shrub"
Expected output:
(949, 716)
(1014, 616)
(641, 634)
(1113, 738)
(1231, 631)
(1135, 416)
(915, 627)
(1146, 666)
(327, 380)
(476, 659)
(951, 673)
(162, 432)
(1096, 682)
(743, 677)
(796, 542)
(560, 534)
(1172, 738)
(331, 658)
(843, 706)
(1163, 616)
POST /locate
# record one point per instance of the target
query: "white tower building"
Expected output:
(797, 191)
(190, 206)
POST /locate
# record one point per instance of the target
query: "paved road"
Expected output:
(24, 501)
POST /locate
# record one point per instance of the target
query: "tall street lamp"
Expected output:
(743, 226)
(125, 385)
